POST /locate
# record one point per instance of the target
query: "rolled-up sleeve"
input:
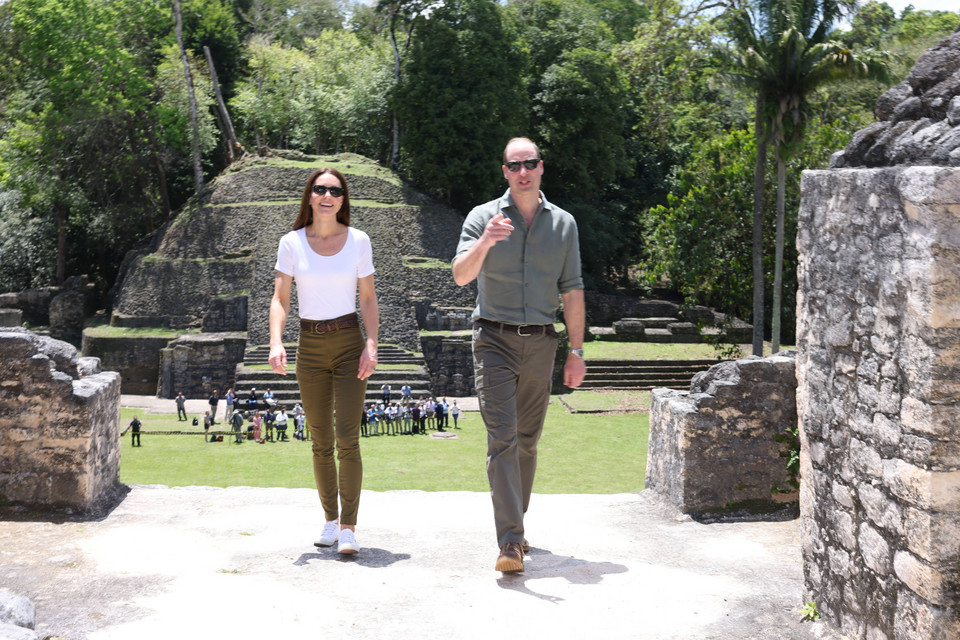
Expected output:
(571, 277)
(473, 228)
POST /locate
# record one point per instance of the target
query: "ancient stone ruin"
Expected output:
(722, 446)
(919, 119)
(211, 271)
(59, 432)
(878, 367)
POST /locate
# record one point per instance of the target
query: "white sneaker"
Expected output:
(329, 535)
(348, 542)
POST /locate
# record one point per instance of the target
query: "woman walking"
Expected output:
(331, 262)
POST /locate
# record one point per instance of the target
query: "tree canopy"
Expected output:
(643, 138)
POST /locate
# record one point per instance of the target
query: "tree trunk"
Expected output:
(233, 147)
(164, 192)
(758, 179)
(395, 152)
(778, 259)
(195, 142)
(61, 243)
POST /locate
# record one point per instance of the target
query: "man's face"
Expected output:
(525, 180)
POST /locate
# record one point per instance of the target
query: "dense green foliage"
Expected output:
(643, 139)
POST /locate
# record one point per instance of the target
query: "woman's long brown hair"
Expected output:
(305, 219)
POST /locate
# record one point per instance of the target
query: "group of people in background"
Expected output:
(253, 402)
(407, 417)
(271, 426)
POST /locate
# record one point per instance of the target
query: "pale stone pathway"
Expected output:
(201, 562)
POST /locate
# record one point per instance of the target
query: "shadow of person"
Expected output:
(545, 564)
(369, 557)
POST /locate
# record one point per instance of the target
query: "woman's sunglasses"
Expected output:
(321, 189)
(514, 165)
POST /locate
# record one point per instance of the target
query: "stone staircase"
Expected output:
(641, 375)
(253, 373)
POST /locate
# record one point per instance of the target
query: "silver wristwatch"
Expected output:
(577, 352)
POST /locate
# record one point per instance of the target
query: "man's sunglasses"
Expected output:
(320, 189)
(514, 165)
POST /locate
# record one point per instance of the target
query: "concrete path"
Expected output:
(199, 562)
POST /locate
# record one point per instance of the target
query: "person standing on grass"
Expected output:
(207, 423)
(268, 419)
(332, 263)
(281, 425)
(455, 412)
(213, 401)
(181, 407)
(230, 398)
(257, 421)
(524, 253)
(135, 432)
(236, 422)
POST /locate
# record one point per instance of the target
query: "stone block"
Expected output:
(11, 317)
(66, 316)
(17, 610)
(917, 619)
(934, 584)
(880, 508)
(13, 632)
(932, 536)
(930, 490)
(875, 550)
(865, 459)
(629, 329)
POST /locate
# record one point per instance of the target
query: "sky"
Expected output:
(925, 5)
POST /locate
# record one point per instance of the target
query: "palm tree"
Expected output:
(782, 50)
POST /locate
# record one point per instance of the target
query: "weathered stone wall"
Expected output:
(59, 434)
(35, 305)
(197, 364)
(878, 367)
(136, 359)
(450, 365)
(713, 449)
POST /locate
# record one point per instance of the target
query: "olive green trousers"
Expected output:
(332, 398)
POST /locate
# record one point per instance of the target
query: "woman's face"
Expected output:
(326, 204)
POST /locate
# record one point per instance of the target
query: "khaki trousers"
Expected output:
(513, 377)
(332, 398)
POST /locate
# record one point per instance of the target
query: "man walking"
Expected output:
(524, 253)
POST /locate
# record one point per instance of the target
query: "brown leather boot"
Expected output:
(511, 558)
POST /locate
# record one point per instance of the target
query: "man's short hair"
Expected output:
(512, 140)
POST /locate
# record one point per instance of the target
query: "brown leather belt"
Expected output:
(349, 321)
(519, 329)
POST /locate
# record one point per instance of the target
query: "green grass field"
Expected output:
(578, 453)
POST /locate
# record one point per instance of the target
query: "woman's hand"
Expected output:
(278, 359)
(368, 362)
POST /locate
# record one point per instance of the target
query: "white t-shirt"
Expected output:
(326, 285)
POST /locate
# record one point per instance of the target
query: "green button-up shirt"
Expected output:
(523, 276)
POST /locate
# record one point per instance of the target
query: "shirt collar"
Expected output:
(506, 201)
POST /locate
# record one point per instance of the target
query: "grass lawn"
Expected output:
(598, 401)
(578, 453)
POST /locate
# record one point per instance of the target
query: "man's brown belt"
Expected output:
(519, 329)
(349, 321)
